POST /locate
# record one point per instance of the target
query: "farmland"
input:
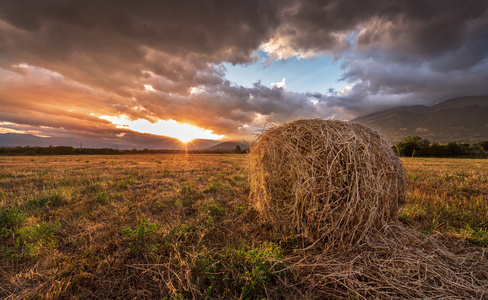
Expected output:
(180, 226)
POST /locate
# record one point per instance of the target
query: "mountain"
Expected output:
(229, 146)
(16, 139)
(200, 144)
(462, 119)
(134, 141)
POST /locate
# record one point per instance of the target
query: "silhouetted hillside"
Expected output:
(228, 146)
(462, 119)
(137, 141)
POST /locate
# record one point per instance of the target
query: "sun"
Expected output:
(171, 128)
(185, 139)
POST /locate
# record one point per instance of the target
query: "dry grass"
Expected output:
(329, 181)
(132, 226)
(447, 194)
(176, 226)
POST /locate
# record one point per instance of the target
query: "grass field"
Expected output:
(178, 227)
(448, 196)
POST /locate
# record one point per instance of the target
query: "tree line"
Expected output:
(68, 150)
(417, 146)
(409, 146)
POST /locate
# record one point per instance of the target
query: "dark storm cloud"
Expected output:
(109, 43)
(405, 52)
(97, 56)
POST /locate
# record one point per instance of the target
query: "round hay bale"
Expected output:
(326, 180)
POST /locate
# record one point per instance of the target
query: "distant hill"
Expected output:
(16, 139)
(228, 146)
(200, 144)
(462, 119)
(137, 141)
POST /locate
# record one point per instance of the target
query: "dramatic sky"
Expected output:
(119, 70)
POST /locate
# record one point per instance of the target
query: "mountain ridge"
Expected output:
(139, 141)
(229, 145)
(462, 119)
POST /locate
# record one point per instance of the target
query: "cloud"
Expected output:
(280, 85)
(61, 62)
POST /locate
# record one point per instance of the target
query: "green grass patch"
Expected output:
(10, 218)
(238, 271)
(477, 236)
(102, 197)
(31, 240)
(140, 236)
(189, 194)
(49, 199)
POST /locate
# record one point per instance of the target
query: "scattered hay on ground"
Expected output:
(394, 263)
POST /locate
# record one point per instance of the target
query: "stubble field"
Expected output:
(180, 226)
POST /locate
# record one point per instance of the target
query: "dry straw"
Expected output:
(394, 263)
(340, 187)
(326, 180)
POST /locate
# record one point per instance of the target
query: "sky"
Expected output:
(132, 71)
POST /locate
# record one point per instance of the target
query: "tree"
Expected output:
(238, 149)
(484, 145)
(409, 145)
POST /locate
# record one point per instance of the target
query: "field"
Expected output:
(180, 226)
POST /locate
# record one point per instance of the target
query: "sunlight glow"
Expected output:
(196, 90)
(4, 130)
(149, 87)
(280, 85)
(314, 101)
(345, 91)
(11, 130)
(183, 132)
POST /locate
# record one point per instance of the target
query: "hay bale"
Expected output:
(326, 180)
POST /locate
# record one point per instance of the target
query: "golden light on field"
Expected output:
(171, 128)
